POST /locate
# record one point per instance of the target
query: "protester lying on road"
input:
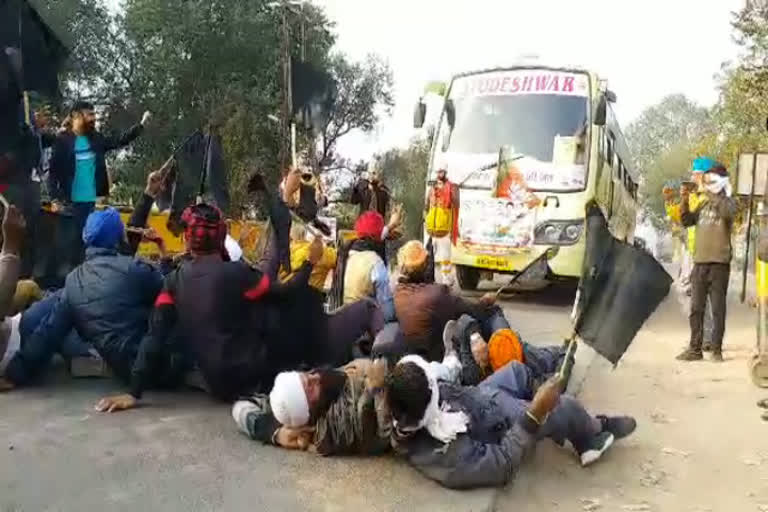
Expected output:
(107, 300)
(479, 358)
(241, 325)
(423, 307)
(475, 436)
(329, 411)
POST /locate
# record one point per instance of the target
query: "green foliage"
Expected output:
(210, 65)
(364, 94)
(405, 172)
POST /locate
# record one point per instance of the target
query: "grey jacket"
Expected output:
(489, 454)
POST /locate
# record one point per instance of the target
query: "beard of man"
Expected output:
(331, 385)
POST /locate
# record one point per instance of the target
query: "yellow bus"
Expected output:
(529, 148)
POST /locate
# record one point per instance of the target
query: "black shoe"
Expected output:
(597, 447)
(707, 347)
(690, 355)
(717, 356)
(619, 426)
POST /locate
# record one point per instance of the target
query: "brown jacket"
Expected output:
(714, 222)
(423, 310)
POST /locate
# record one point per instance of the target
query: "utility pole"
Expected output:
(286, 145)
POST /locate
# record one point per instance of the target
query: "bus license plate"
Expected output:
(494, 262)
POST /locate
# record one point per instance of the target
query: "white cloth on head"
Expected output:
(716, 184)
(233, 249)
(11, 327)
(441, 423)
(288, 400)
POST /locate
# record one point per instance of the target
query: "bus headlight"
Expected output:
(558, 232)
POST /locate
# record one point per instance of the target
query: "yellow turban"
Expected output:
(412, 257)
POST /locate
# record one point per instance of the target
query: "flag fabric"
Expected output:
(198, 160)
(621, 286)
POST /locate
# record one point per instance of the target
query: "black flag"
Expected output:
(621, 286)
(199, 169)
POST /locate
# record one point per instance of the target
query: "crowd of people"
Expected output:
(407, 366)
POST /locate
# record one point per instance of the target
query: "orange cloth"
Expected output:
(504, 346)
(412, 257)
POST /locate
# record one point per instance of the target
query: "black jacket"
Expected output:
(363, 196)
(63, 160)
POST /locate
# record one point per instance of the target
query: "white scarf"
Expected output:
(14, 341)
(441, 423)
(716, 184)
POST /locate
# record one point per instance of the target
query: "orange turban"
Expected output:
(412, 257)
(504, 346)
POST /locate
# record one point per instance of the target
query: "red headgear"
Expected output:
(369, 225)
(204, 230)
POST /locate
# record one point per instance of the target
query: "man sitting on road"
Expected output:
(332, 412)
(107, 299)
(240, 324)
(477, 436)
(423, 308)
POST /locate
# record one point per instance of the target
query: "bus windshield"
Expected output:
(528, 123)
(536, 118)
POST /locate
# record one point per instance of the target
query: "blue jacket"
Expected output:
(108, 300)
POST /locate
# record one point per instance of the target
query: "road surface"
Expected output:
(699, 445)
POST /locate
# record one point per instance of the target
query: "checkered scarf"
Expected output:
(204, 230)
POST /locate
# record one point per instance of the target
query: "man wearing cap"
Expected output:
(423, 308)
(107, 300)
(477, 436)
(371, 194)
(712, 257)
(672, 206)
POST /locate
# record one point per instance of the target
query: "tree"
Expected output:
(675, 120)
(363, 95)
(405, 171)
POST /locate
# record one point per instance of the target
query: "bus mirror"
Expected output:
(610, 96)
(600, 110)
(419, 114)
(450, 112)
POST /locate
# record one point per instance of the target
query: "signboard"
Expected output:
(748, 162)
(492, 226)
(521, 81)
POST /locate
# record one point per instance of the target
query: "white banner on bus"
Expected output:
(521, 81)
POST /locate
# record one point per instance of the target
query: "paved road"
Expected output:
(183, 453)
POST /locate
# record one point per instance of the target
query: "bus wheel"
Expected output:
(468, 277)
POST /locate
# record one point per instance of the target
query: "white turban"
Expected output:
(233, 249)
(289, 400)
(441, 423)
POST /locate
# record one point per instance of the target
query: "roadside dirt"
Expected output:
(700, 445)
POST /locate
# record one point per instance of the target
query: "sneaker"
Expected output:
(449, 334)
(619, 426)
(717, 356)
(690, 355)
(706, 347)
(240, 412)
(597, 447)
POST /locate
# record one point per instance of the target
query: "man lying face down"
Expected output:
(240, 324)
(329, 411)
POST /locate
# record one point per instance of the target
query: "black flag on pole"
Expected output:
(199, 167)
(621, 286)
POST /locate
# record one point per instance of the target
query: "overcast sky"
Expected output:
(646, 49)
